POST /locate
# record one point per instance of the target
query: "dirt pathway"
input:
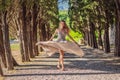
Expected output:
(94, 66)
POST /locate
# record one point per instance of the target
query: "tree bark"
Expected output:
(7, 48)
(30, 41)
(100, 42)
(106, 34)
(24, 32)
(21, 46)
(1, 71)
(93, 41)
(2, 50)
(43, 31)
(47, 31)
(21, 38)
(106, 40)
(87, 38)
(35, 13)
(117, 29)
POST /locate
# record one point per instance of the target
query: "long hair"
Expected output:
(65, 27)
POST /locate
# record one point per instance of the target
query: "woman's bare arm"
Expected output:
(53, 35)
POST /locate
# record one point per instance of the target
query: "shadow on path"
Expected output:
(99, 65)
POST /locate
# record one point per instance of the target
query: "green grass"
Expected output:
(15, 47)
(75, 35)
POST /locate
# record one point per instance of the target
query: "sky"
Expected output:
(63, 5)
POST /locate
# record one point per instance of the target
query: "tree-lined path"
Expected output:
(94, 65)
(93, 23)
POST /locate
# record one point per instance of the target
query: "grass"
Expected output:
(75, 35)
(15, 47)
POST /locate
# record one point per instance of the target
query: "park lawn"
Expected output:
(15, 47)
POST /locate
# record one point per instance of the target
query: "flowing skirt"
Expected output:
(51, 47)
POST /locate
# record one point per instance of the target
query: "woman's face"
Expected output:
(61, 25)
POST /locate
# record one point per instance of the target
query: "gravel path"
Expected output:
(91, 67)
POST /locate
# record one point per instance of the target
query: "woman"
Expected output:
(62, 31)
(60, 44)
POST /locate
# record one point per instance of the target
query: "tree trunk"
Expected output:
(30, 41)
(87, 41)
(24, 32)
(30, 44)
(106, 40)
(117, 29)
(1, 72)
(8, 54)
(106, 34)
(40, 35)
(93, 41)
(21, 36)
(43, 31)
(2, 50)
(100, 42)
(19, 25)
(48, 32)
(21, 44)
(35, 13)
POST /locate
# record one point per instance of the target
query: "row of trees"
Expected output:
(30, 20)
(33, 20)
(93, 18)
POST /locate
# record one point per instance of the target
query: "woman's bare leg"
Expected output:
(58, 66)
(61, 59)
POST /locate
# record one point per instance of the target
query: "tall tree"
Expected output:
(5, 28)
(6, 42)
(35, 14)
(117, 28)
(24, 30)
(30, 34)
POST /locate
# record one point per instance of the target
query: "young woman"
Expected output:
(62, 32)
(61, 45)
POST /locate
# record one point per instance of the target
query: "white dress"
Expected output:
(51, 47)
